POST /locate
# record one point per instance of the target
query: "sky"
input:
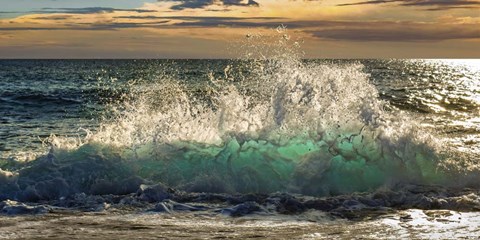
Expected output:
(216, 28)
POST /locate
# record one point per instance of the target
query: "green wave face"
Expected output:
(260, 126)
(288, 126)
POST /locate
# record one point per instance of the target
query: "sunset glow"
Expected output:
(199, 28)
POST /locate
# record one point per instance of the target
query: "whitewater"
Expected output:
(269, 145)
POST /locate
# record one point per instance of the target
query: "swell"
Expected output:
(38, 99)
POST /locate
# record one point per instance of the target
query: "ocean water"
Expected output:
(278, 147)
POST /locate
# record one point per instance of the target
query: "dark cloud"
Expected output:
(63, 17)
(367, 2)
(26, 28)
(452, 7)
(203, 18)
(202, 21)
(440, 3)
(397, 32)
(185, 4)
(227, 23)
(240, 3)
(192, 4)
(120, 25)
(90, 27)
(432, 5)
(214, 21)
(4, 14)
(90, 10)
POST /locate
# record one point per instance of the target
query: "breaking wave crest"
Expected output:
(261, 126)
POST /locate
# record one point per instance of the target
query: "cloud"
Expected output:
(7, 14)
(228, 23)
(202, 18)
(120, 25)
(185, 4)
(207, 22)
(90, 10)
(240, 3)
(33, 28)
(357, 31)
(54, 17)
(397, 32)
(90, 27)
(433, 5)
(191, 4)
(215, 21)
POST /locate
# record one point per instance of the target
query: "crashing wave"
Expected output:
(279, 124)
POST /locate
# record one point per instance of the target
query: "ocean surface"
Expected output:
(273, 148)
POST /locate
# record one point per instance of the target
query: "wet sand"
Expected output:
(411, 224)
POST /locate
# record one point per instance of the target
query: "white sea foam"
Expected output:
(277, 123)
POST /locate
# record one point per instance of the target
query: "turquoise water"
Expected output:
(316, 127)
